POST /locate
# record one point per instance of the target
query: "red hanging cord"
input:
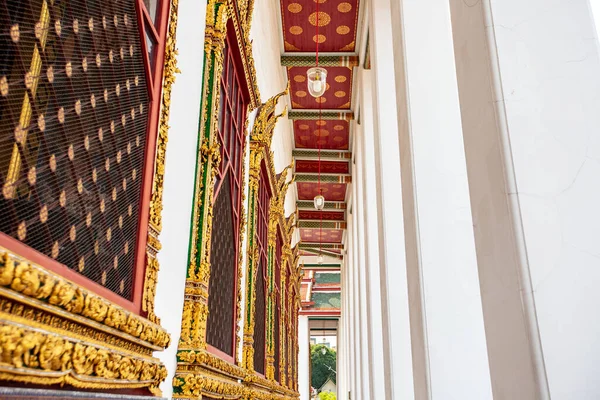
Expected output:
(320, 134)
(320, 190)
(317, 35)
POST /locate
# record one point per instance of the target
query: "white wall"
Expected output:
(179, 179)
(271, 77)
(550, 78)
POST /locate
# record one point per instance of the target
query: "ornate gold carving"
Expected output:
(156, 205)
(264, 124)
(35, 282)
(65, 322)
(33, 355)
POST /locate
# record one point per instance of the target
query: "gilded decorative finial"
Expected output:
(282, 183)
(262, 131)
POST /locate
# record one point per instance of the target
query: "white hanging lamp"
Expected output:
(317, 81)
(319, 202)
(317, 76)
(320, 259)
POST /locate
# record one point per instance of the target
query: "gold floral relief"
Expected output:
(31, 354)
(54, 331)
(52, 291)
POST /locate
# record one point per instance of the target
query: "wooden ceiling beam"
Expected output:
(317, 245)
(303, 154)
(325, 114)
(316, 252)
(326, 178)
(310, 60)
(316, 224)
(329, 205)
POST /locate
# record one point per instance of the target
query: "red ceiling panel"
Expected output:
(337, 25)
(329, 134)
(337, 95)
(327, 167)
(331, 191)
(317, 235)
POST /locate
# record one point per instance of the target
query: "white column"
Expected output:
(362, 344)
(379, 378)
(595, 7)
(340, 360)
(398, 357)
(354, 309)
(345, 289)
(341, 341)
(433, 161)
(529, 83)
(304, 357)
(178, 187)
(359, 183)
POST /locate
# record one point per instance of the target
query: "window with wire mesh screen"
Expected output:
(73, 123)
(227, 207)
(260, 312)
(278, 263)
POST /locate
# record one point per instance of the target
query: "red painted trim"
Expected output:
(155, 91)
(15, 246)
(139, 8)
(221, 354)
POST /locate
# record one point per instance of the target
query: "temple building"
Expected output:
(191, 189)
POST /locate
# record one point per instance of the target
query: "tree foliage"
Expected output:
(322, 365)
(327, 396)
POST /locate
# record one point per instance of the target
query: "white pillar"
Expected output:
(379, 377)
(341, 344)
(346, 313)
(304, 357)
(354, 307)
(437, 207)
(359, 184)
(340, 360)
(360, 269)
(595, 7)
(529, 83)
(396, 318)
(180, 164)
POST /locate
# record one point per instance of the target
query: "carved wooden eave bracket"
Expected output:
(266, 119)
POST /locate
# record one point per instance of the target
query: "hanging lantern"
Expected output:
(320, 259)
(317, 81)
(319, 202)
